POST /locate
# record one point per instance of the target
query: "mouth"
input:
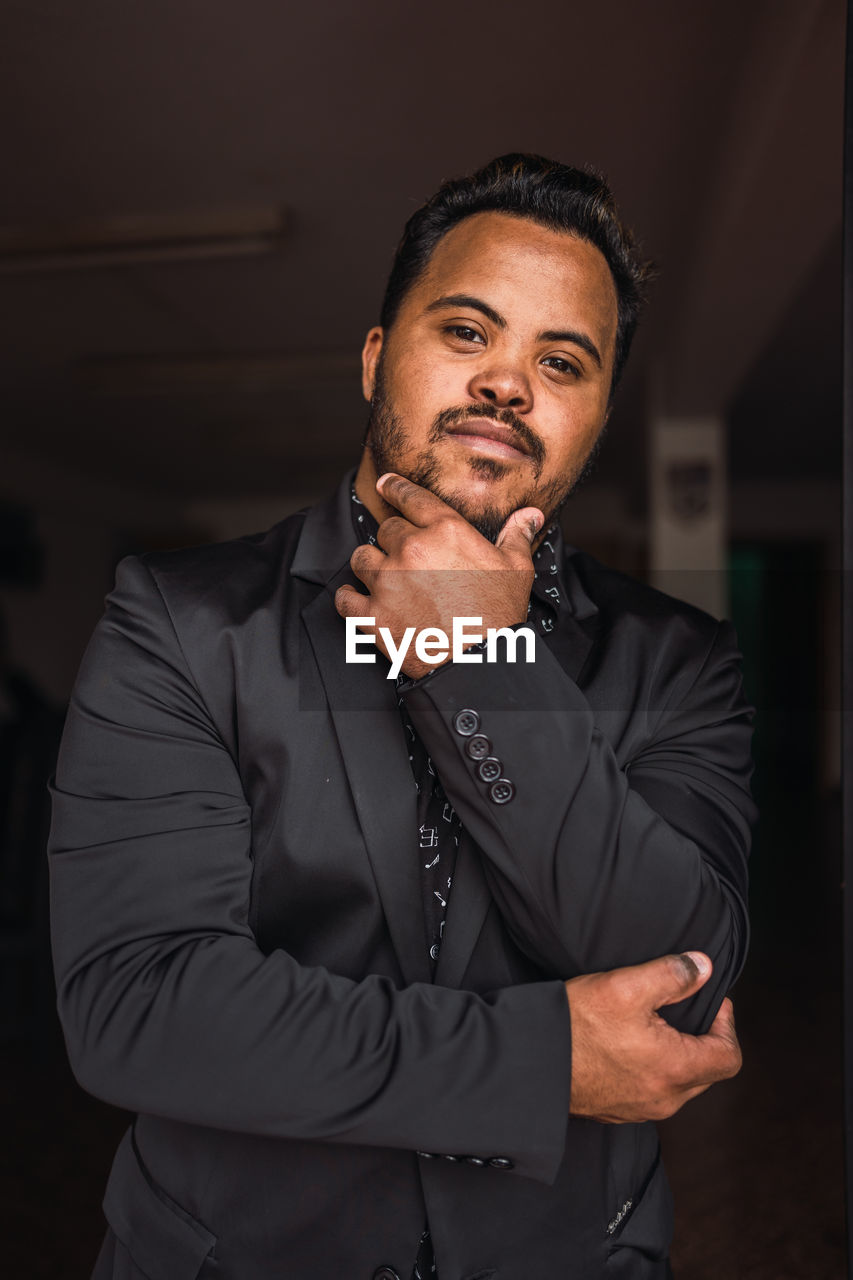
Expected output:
(490, 438)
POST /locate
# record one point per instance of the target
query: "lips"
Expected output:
(490, 437)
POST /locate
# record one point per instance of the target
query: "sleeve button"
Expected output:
(453, 1159)
(502, 791)
(480, 1163)
(490, 769)
(466, 722)
(478, 747)
(501, 1162)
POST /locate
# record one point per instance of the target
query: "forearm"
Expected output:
(212, 1032)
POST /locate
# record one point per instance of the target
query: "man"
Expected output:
(366, 955)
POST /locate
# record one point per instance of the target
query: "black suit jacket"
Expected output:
(238, 928)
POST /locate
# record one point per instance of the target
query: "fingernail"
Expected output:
(700, 960)
(534, 524)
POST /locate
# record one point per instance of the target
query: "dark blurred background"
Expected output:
(199, 207)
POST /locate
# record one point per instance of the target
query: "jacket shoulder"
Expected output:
(662, 641)
(620, 599)
(239, 573)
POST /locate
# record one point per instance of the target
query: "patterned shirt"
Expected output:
(438, 825)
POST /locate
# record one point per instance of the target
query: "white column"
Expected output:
(688, 510)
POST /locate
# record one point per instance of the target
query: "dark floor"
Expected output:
(756, 1164)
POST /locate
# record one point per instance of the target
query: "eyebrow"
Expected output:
(468, 300)
(579, 339)
(572, 335)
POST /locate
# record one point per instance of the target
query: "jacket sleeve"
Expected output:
(168, 1004)
(594, 865)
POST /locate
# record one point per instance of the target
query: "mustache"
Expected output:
(528, 437)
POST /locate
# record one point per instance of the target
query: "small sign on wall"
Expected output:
(689, 511)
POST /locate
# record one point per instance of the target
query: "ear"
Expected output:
(369, 358)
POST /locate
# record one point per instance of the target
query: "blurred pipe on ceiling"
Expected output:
(139, 240)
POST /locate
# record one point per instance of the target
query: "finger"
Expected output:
(351, 603)
(682, 975)
(366, 561)
(722, 1029)
(393, 531)
(708, 1059)
(711, 1057)
(663, 981)
(724, 1023)
(416, 503)
(520, 530)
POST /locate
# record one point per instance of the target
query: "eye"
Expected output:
(464, 333)
(562, 366)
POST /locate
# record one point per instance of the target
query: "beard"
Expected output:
(385, 437)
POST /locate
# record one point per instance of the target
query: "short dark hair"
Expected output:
(557, 196)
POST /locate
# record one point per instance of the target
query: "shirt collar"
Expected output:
(364, 523)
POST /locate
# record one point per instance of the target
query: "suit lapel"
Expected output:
(370, 733)
(571, 643)
(573, 639)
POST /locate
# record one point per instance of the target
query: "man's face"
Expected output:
(491, 387)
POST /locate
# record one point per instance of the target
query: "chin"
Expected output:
(487, 508)
(478, 482)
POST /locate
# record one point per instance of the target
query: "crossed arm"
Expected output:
(170, 1007)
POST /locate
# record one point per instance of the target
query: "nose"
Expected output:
(503, 384)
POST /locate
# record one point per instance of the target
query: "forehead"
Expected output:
(518, 265)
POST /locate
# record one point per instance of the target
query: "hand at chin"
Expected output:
(432, 566)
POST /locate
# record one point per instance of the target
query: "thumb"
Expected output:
(520, 529)
(672, 978)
